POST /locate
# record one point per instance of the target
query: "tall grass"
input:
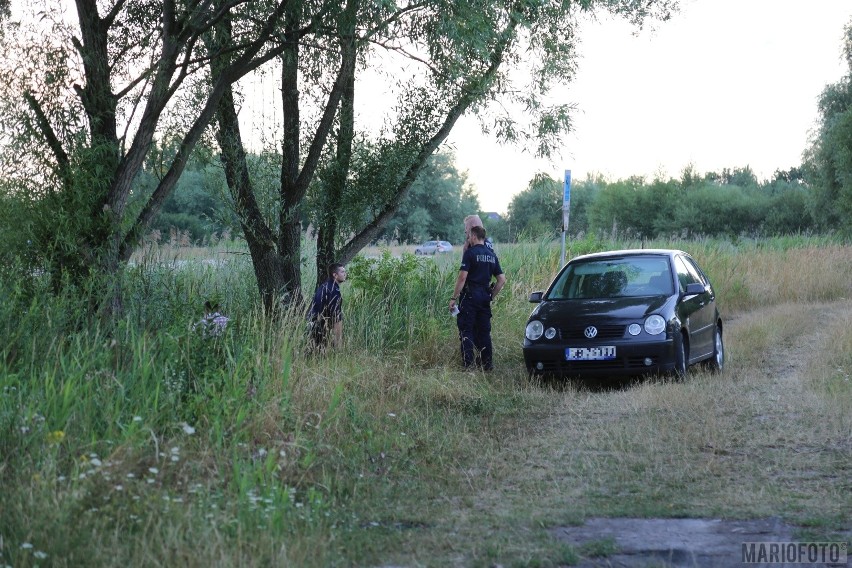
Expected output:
(132, 443)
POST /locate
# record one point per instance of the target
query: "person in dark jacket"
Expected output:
(473, 295)
(325, 317)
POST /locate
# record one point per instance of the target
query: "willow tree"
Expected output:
(828, 161)
(85, 95)
(498, 59)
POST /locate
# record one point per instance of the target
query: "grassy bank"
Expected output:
(147, 444)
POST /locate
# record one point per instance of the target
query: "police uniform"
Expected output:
(474, 319)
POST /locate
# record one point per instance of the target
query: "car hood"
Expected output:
(633, 308)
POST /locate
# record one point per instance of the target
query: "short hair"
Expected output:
(472, 221)
(478, 232)
(333, 268)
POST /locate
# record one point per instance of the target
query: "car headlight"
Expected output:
(534, 330)
(634, 329)
(655, 325)
(550, 333)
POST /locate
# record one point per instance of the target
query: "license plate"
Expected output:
(590, 353)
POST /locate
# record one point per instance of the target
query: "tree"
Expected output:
(462, 56)
(537, 211)
(98, 93)
(95, 95)
(829, 159)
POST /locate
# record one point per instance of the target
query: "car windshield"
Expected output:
(613, 278)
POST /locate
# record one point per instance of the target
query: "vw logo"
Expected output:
(591, 332)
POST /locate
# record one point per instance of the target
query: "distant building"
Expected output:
(492, 216)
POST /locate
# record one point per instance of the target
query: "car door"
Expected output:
(698, 311)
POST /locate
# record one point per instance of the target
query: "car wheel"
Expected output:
(417, 252)
(716, 363)
(680, 354)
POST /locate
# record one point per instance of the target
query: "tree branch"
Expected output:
(237, 69)
(475, 90)
(63, 164)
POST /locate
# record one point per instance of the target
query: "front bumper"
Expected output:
(632, 358)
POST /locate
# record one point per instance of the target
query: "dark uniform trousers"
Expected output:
(474, 322)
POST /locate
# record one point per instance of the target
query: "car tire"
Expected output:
(716, 362)
(417, 252)
(681, 356)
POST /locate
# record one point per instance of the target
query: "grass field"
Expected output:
(143, 444)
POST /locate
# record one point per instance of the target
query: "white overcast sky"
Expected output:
(725, 83)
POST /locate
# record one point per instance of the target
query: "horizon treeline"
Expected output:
(731, 203)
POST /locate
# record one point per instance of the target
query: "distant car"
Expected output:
(628, 312)
(432, 247)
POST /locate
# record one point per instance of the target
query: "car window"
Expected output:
(693, 268)
(613, 278)
(684, 275)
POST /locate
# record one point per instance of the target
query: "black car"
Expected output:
(627, 312)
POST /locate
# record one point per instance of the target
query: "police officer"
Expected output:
(473, 295)
(474, 221)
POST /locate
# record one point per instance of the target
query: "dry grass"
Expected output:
(769, 437)
(765, 277)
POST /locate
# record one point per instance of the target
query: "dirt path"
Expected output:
(759, 405)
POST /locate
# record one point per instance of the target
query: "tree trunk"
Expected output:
(268, 268)
(326, 235)
(290, 230)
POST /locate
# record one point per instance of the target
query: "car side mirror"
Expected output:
(694, 289)
(535, 297)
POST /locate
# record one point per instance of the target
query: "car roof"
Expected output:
(628, 252)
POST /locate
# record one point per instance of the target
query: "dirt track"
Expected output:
(713, 542)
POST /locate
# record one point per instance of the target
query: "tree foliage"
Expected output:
(436, 205)
(84, 99)
(693, 205)
(829, 159)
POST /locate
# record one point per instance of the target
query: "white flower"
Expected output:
(96, 462)
(391, 414)
(26, 546)
(137, 419)
(40, 555)
(189, 430)
(154, 470)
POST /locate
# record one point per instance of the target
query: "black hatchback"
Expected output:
(627, 312)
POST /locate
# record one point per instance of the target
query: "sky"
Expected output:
(723, 84)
